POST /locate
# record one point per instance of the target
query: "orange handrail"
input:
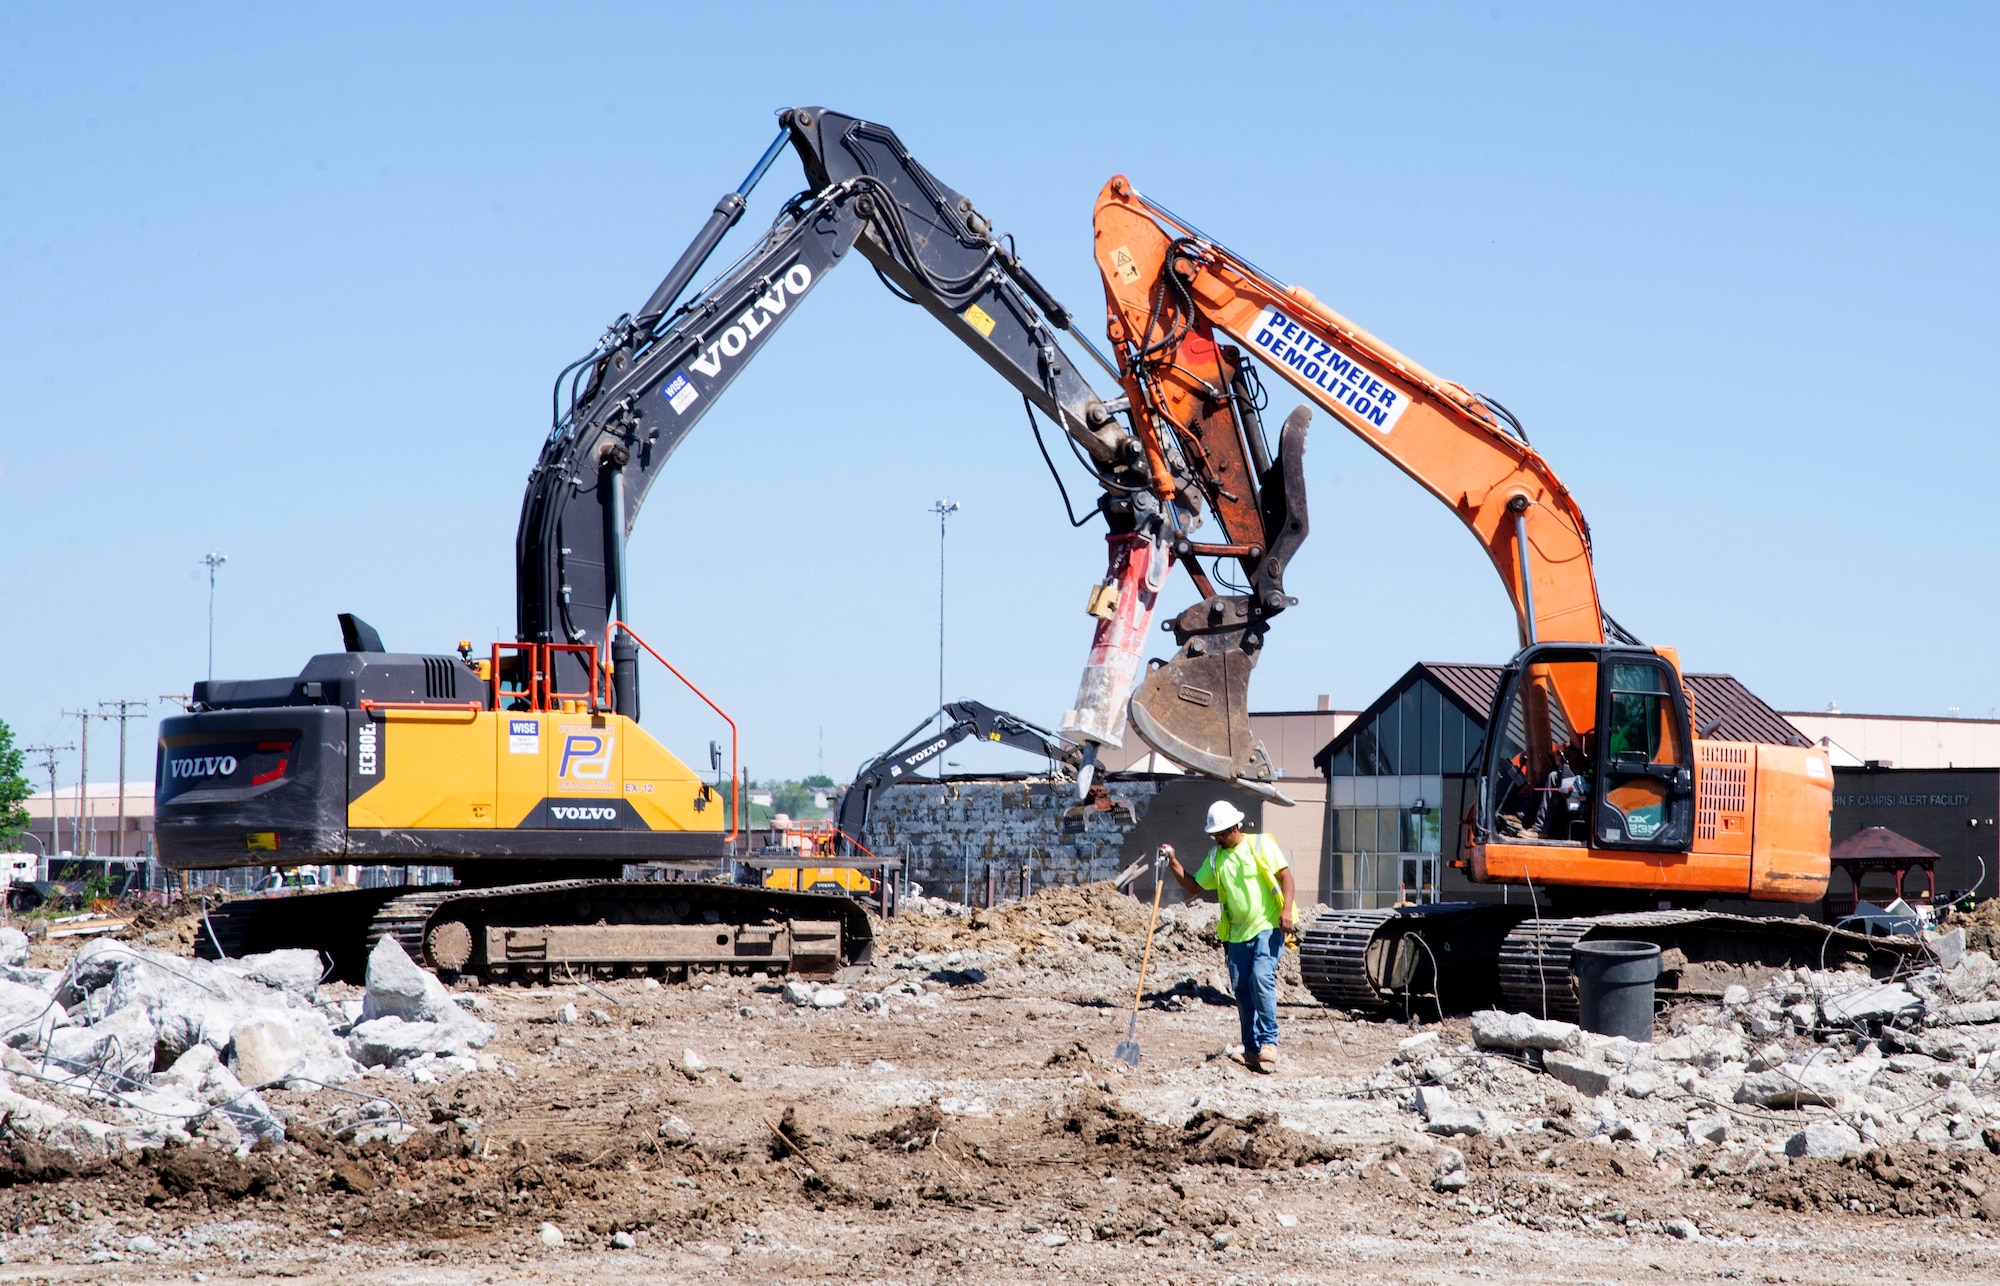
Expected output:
(531, 690)
(735, 785)
(552, 698)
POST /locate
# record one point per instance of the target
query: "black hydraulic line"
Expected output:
(1035, 427)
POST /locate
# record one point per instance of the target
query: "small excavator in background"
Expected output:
(525, 771)
(963, 721)
(1647, 811)
(841, 835)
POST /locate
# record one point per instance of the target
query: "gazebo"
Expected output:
(1877, 848)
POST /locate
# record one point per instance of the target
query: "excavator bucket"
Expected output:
(1194, 708)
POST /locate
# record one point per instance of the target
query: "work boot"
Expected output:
(1266, 1060)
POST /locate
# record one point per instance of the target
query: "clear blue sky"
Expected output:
(290, 282)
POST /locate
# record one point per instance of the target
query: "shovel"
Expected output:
(1128, 1049)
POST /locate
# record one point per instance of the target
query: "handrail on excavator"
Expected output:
(735, 786)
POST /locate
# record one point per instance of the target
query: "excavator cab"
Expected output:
(1589, 746)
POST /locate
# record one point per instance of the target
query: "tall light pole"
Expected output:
(212, 561)
(944, 509)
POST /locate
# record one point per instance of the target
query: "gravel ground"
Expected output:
(974, 1131)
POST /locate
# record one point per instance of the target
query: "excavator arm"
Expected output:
(1170, 291)
(652, 377)
(963, 720)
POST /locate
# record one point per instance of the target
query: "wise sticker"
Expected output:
(1125, 265)
(680, 393)
(1283, 341)
(980, 320)
(524, 737)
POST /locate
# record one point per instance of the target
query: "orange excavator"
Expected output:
(1598, 786)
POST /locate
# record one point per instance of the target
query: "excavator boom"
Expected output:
(1168, 289)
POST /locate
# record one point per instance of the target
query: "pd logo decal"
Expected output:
(586, 757)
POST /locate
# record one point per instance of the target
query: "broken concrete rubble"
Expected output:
(1496, 1029)
(1824, 1139)
(407, 1016)
(1810, 1065)
(1587, 1076)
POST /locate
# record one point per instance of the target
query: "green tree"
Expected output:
(13, 789)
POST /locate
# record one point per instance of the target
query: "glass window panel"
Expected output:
(1452, 750)
(1364, 752)
(1432, 744)
(1412, 703)
(1433, 836)
(1343, 762)
(1389, 739)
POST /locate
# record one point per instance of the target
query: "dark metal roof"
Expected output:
(1472, 687)
(1879, 842)
(1744, 716)
(1723, 707)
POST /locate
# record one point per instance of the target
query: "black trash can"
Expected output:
(1614, 986)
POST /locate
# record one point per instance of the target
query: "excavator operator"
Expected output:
(1549, 810)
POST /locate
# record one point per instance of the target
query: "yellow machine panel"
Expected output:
(540, 770)
(430, 772)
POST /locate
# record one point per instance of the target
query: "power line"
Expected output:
(83, 836)
(48, 754)
(123, 715)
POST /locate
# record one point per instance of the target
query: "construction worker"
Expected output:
(1253, 881)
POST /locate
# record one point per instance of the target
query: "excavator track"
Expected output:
(1419, 959)
(558, 927)
(1701, 954)
(1452, 957)
(1333, 958)
(531, 931)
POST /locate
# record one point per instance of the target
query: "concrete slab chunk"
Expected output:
(1829, 1139)
(1497, 1029)
(1580, 1074)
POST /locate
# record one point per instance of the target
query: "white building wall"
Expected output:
(1904, 742)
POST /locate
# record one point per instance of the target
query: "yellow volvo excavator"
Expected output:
(1655, 813)
(526, 770)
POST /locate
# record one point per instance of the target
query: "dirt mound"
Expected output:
(1255, 1142)
(1062, 919)
(23, 1160)
(1911, 1179)
(919, 1129)
(186, 1171)
(1981, 925)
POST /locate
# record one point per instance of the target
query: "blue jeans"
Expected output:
(1253, 976)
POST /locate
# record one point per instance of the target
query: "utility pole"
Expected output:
(944, 509)
(123, 715)
(82, 781)
(48, 754)
(212, 561)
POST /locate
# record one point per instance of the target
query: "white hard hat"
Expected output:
(1221, 816)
